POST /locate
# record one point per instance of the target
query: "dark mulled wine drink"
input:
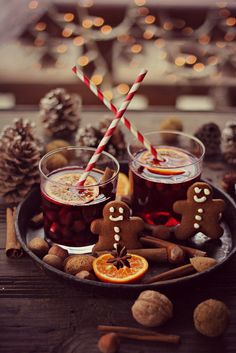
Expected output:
(157, 185)
(68, 211)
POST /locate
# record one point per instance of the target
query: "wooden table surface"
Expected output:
(39, 314)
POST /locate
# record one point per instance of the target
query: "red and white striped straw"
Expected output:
(112, 127)
(112, 107)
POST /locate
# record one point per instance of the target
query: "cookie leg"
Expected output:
(212, 231)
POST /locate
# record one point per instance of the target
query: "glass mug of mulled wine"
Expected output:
(157, 183)
(68, 208)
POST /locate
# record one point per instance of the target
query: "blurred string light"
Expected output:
(69, 17)
(84, 31)
(32, 5)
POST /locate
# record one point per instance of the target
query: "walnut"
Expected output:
(56, 161)
(152, 309)
(211, 318)
(53, 145)
(174, 124)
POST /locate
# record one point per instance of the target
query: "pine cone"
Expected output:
(91, 136)
(20, 155)
(229, 184)
(60, 113)
(229, 142)
(210, 135)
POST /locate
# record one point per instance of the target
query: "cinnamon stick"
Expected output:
(160, 243)
(171, 274)
(13, 247)
(153, 255)
(107, 175)
(139, 334)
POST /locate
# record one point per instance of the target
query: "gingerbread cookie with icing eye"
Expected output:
(117, 226)
(200, 213)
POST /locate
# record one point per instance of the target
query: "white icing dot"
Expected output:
(200, 210)
(115, 245)
(111, 209)
(198, 218)
(121, 210)
(117, 237)
(207, 192)
(196, 225)
(117, 229)
(197, 190)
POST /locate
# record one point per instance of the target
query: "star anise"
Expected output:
(120, 257)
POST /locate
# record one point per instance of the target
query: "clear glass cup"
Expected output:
(68, 209)
(156, 185)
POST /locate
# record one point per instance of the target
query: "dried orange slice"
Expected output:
(123, 186)
(172, 159)
(61, 188)
(107, 272)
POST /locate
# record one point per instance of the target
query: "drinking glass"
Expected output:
(68, 208)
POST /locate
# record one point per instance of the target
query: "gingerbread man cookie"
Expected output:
(117, 226)
(200, 213)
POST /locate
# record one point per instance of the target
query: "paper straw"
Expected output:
(112, 126)
(112, 107)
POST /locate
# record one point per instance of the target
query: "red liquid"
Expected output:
(154, 191)
(66, 222)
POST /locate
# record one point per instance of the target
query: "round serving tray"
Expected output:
(221, 249)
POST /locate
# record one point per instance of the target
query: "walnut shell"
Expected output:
(56, 161)
(38, 246)
(53, 145)
(77, 263)
(174, 124)
(152, 309)
(211, 318)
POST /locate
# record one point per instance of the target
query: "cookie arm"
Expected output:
(179, 206)
(139, 223)
(219, 205)
(96, 226)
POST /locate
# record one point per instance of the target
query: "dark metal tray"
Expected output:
(221, 249)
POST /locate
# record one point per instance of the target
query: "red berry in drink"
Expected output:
(54, 228)
(66, 232)
(52, 216)
(66, 219)
(78, 226)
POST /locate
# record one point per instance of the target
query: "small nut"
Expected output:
(53, 145)
(202, 263)
(211, 318)
(109, 343)
(36, 221)
(152, 309)
(38, 246)
(58, 251)
(176, 254)
(54, 261)
(56, 161)
(77, 263)
(174, 124)
(85, 275)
